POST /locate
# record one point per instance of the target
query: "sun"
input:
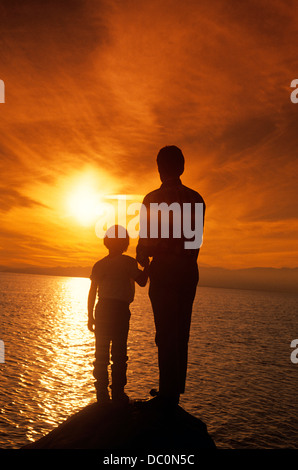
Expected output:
(83, 204)
(92, 199)
(84, 200)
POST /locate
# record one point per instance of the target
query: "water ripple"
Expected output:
(240, 382)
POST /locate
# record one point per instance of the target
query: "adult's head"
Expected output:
(170, 162)
(116, 239)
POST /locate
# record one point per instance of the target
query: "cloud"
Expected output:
(106, 84)
(11, 198)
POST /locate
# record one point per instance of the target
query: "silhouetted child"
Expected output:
(113, 278)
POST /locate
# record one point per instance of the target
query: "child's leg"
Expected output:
(119, 350)
(102, 351)
(102, 359)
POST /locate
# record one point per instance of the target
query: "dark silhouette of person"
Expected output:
(173, 275)
(112, 278)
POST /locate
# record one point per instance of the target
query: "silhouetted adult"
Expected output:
(173, 275)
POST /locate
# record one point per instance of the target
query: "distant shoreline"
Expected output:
(265, 279)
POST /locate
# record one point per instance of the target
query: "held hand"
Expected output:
(145, 263)
(142, 260)
(91, 325)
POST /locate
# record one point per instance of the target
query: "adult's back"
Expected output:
(166, 238)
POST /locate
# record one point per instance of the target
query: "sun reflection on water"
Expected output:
(49, 372)
(70, 349)
(233, 384)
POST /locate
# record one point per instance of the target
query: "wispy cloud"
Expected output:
(106, 84)
(11, 198)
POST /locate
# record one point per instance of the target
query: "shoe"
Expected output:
(120, 398)
(160, 402)
(103, 396)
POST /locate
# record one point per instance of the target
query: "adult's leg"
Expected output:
(173, 282)
(172, 309)
(184, 321)
(164, 300)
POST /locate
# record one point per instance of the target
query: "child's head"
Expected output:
(116, 239)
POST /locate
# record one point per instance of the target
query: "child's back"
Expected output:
(115, 276)
(113, 279)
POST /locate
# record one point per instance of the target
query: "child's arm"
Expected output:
(143, 276)
(91, 302)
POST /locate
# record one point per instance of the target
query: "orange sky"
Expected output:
(94, 89)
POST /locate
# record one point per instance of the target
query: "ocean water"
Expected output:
(241, 381)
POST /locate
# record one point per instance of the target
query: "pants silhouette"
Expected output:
(172, 299)
(111, 326)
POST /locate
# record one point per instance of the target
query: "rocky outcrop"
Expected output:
(132, 426)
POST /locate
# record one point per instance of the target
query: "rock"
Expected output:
(132, 426)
